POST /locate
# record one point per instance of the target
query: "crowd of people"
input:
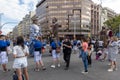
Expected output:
(34, 46)
(86, 47)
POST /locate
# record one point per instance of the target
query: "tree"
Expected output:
(113, 24)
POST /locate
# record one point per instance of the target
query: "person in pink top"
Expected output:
(84, 55)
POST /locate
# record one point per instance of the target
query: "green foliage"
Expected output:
(113, 23)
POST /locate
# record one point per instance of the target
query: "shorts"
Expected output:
(37, 56)
(3, 57)
(20, 63)
(55, 55)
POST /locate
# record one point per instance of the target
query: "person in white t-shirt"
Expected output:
(101, 44)
(20, 53)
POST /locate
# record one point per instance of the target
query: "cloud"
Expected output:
(112, 4)
(15, 10)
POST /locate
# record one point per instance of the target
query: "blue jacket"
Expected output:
(54, 45)
(3, 44)
(37, 44)
(8, 42)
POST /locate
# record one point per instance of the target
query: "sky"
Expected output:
(13, 11)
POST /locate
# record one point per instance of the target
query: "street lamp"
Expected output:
(74, 26)
(0, 19)
(119, 32)
(100, 14)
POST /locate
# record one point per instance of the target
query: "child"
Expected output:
(99, 53)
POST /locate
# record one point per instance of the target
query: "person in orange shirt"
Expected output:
(84, 55)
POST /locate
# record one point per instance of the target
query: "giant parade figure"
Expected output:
(35, 31)
(55, 27)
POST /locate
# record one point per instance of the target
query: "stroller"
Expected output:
(99, 54)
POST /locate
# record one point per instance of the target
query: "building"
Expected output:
(95, 19)
(74, 15)
(10, 35)
(23, 28)
(107, 14)
(15, 32)
(99, 15)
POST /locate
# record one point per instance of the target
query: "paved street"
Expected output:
(98, 71)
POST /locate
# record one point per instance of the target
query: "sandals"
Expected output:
(43, 68)
(7, 70)
(36, 69)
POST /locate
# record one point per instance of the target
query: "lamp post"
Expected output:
(119, 31)
(100, 14)
(74, 26)
(0, 19)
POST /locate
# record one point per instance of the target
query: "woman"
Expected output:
(38, 54)
(84, 55)
(20, 53)
(89, 52)
(113, 53)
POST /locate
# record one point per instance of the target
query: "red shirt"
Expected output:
(85, 46)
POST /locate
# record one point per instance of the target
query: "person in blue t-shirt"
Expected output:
(55, 55)
(37, 53)
(3, 53)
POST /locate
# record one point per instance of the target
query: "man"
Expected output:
(67, 48)
(3, 53)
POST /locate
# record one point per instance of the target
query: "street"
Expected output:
(98, 71)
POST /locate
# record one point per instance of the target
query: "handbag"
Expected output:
(43, 50)
(58, 50)
(15, 76)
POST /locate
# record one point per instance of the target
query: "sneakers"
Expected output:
(7, 70)
(58, 65)
(43, 68)
(110, 70)
(109, 64)
(84, 72)
(52, 66)
(36, 69)
(115, 69)
(66, 68)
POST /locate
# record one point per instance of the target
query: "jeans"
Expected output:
(85, 60)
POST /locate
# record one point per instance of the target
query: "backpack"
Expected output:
(15, 76)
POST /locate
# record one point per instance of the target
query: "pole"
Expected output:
(100, 17)
(74, 26)
(119, 31)
(0, 20)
